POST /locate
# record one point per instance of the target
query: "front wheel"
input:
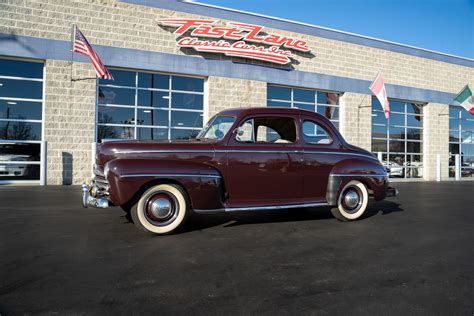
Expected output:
(352, 202)
(161, 209)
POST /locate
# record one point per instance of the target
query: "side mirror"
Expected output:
(239, 131)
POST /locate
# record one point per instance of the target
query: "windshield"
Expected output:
(217, 127)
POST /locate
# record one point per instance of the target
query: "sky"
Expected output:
(445, 26)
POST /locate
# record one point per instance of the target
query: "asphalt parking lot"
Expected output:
(413, 254)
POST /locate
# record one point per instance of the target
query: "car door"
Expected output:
(318, 144)
(262, 166)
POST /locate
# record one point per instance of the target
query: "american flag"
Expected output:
(82, 46)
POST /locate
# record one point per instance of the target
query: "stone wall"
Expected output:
(435, 140)
(355, 119)
(224, 93)
(69, 122)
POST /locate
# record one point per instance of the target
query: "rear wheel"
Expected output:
(352, 202)
(161, 209)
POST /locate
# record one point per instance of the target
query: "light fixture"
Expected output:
(10, 102)
(1, 84)
(180, 124)
(147, 111)
(165, 97)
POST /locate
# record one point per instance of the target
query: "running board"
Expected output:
(262, 208)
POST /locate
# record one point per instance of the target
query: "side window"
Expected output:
(313, 133)
(245, 132)
(267, 134)
(279, 130)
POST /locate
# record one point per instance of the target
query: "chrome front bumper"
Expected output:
(94, 201)
(96, 193)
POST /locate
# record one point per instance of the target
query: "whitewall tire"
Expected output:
(161, 209)
(352, 201)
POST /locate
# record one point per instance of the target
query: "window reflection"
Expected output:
(140, 103)
(24, 69)
(20, 110)
(19, 172)
(156, 81)
(20, 120)
(119, 96)
(187, 84)
(115, 132)
(399, 138)
(21, 89)
(121, 78)
(324, 103)
(186, 101)
(116, 115)
(461, 140)
(20, 131)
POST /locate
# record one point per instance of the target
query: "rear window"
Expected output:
(313, 133)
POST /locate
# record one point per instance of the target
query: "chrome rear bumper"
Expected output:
(391, 192)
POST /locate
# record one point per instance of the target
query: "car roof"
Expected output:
(266, 110)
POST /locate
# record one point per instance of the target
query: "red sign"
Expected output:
(241, 34)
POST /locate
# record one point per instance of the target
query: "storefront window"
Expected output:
(399, 138)
(461, 141)
(147, 106)
(324, 103)
(21, 108)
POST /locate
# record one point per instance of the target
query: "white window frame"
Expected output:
(405, 126)
(315, 103)
(169, 109)
(41, 101)
(460, 130)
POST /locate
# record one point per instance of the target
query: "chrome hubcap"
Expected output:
(161, 208)
(351, 199)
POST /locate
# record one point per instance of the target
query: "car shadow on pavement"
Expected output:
(203, 221)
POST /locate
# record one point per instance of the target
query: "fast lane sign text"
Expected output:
(239, 32)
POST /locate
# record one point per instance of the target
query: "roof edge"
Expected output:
(193, 7)
(324, 28)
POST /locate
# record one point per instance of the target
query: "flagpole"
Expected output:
(72, 48)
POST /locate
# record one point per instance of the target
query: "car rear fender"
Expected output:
(366, 170)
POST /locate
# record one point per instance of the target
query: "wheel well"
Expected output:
(153, 183)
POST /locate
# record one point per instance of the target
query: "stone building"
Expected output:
(53, 109)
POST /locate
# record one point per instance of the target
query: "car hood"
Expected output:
(114, 149)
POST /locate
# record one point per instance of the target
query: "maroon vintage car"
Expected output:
(242, 160)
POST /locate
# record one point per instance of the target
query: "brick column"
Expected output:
(224, 93)
(69, 121)
(356, 119)
(435, 140)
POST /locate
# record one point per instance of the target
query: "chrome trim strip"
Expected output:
(150, 151)
(357, 175)
(169, 175)
(262, 208)
(162, 151)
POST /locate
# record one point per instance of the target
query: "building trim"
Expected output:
(41, 48)
(299, 27)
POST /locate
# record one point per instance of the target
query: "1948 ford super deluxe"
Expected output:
(244, 159)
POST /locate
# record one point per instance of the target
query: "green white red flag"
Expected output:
(465, 99)
(378, 88)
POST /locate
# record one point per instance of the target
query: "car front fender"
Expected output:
(128, 177)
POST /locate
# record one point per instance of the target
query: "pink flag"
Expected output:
(378, 88)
